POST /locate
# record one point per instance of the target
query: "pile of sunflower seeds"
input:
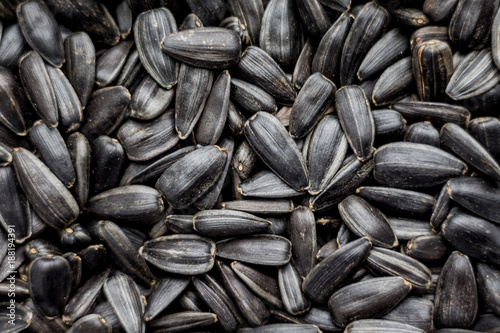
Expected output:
(249, 166)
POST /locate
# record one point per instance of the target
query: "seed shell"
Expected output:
(105, 111)
(13, 103)
(395, 83)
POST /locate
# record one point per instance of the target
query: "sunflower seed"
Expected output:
(13, 210)
(395, 83)
(216, 304)
(314, 99)
(165, 291)
(131, 203)
(439, 10)
(386, 262)
(89, 16)
(264, 127)
(333, 270)
(213, 48)
(224, 223)
(366, 29)
(423, 132)
(41, 31)
(381, 325)
(191, 95)
(488, 279)
(401, 201)
(456, 300)
(266, 250)
(105, 111)
(50, 198)
(388, 50)
(124, 19)
(151, 28)
(252, 308)
(356, 213)
(302, 232)
(406, 229)
(234, 24)
(51, 146)
(470, 25)
(79, 151)
(140, 173)
(49, 280)
(68, 104)
(351, 175)
(125, 299)
(356, 301)
(250, 14)
(111, 62)
(260, 69)
(146, 140)
(123, 252)
(251, 97)
(180, 254)
(432, 69)
(197, 171)
(475, 194)
(280, 36)
(38, 87)
(462, 230)
(265, 286)
(215, 111)
(417, 165)
(108, 158)
(410, 17)
(263, 207)
(426, 248)
(84, 298)
(475, 75)
(13, 104)
(12, 46)
(289, 282)
(356, 120)
(484, 130)
(180, 224)
(210, 12)
(80, 64)
(429, 33)
(303, 67)
(437, 113)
